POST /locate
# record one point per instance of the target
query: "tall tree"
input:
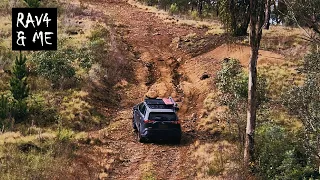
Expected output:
(257, 16)
(267, 15)
(200, 7)
(235, 16)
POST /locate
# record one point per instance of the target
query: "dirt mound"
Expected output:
(209, 63)
(243, 54)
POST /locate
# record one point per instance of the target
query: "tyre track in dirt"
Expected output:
(150, 37)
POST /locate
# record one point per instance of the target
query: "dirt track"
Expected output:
(160, 67)
(156, 66)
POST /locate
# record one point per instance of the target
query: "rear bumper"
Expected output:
(159, 134)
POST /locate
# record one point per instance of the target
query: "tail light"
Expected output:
(149, 121)
(175, 122)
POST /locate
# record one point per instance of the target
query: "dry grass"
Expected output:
(40, 156)
(280, 78)
(5, 31)
(186, 21)
(147, 171)
(32, 134)
(281, 31)
(76, 30)
(214, 160)
(285, 40)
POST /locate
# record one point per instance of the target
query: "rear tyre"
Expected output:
(140, 138)
(176, 140)
(134, 125)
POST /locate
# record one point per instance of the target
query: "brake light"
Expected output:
(149, 121)
(175, 122)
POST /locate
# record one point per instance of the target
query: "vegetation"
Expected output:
(19, 89)
(40, 159)
(49, 95)
(33, 3)
(66, 112)
(303, 102)
(235, 16)
(55, 65)
(257, 16)
(281, 154)
(4, 111)
(232, 83)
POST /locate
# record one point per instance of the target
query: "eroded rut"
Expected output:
(157, 69)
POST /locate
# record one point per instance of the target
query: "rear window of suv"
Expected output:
(163, 116)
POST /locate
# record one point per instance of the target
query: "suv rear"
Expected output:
(156, 119)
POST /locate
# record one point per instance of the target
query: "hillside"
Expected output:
(146, 54)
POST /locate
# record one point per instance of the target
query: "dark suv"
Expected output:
(156, 119)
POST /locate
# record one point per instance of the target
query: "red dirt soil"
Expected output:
(121, 156)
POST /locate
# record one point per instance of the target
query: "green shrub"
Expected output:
(61, 67)
(232, 80)
(4, 108)
(228, 105)
(4, 112)
(281, 155)
(55, 65)
(174, 8)
(41, 113)
(194, 14)
(18, 82)
(19, 111)
(107, 69)
(303, 101)
(19, 89)
(33, 3)
(65, 135)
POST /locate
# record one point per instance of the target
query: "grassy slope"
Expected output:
(277, 39)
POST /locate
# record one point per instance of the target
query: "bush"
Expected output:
(19, 111)
(303, 101)
(228, 105)
(6, 57)
(19, 89)
(4, 108)
(4, 112)
(174, 8)
(280, 154)
(232, 79)
(194, 14)
(55, 65)
(33, 3)
(18, 81)
(41, 113)
(108, 68)
(62, 67)
(65, 135)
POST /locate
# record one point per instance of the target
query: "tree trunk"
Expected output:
(267, 15)
(252, 108)
(217, 10)
(200, 7)
(256, 22)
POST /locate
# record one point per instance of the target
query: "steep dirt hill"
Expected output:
(167, 71)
